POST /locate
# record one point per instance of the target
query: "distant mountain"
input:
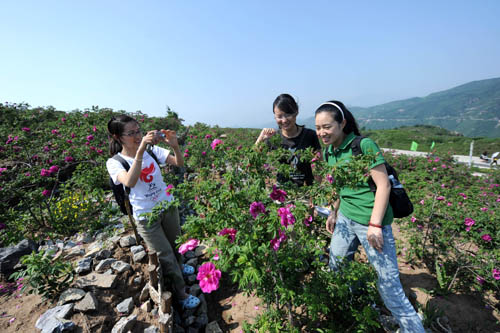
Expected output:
(472, 109)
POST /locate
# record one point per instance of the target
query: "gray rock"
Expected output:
(84, 266)
(83, 238)
(115, 239)
(195, 289)
(127, 241)
(126, 306)
(190, 320)
(191, 279)
(88, 303)
(95, 280)
(53, 318)
(124, 324)
(101, 236)
(94, 248)
(71, 295)
(192, 262)
(138, 280)
(152, 329)
(189, 255)
(144, 294)
(200, 250)
(103, 254)
(74, 252)
(52, 249)
(9, 256)
(213, 327)
(154, 312)
(136, 248)
(104, 265)
(120, 266)
(69, 244)
(203, 307)
(109, 272)
(139, 256)
(202, 320)
(192, 329)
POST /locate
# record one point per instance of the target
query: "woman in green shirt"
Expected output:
(359, 216)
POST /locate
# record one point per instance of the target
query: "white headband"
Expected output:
(338, 107)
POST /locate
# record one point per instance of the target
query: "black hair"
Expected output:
(286, 104)
(351, 124)
(116, 126)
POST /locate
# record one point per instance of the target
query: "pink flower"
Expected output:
(462, 195)
(2, 170)
(63, 119)
(85, 115)
(436, 159)
(170, 186)
(286, 215)
(443, 166)
(26, 129)
(209, 277)
(27, 174)
(208, 136)
(443, 185)
(54, 131)
(329, 178)
(46, 193)
(449, 204)
(94, 129)
(440, 198)
(469, 223)
(53, 169)
(479, 279)
(421, 202)
(186, 151)
(90, 137)
(189, 245)
(496, 274)
(256, 208)
(278, 194)
(276, 242)
(203, 153)
(413, 218)
(73, 135)
(69, 141)
(486, 237)
(186, 155)
(308, 220)
(230, 232)
(44, 172)
(68, 159)
(92, 148)
(484, 209)
(215, 143)
(99, 151)
(216, 253)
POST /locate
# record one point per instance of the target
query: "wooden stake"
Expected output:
(153, 276)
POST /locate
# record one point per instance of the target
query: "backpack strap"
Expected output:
(356, 145)
(150, 152)
(127, 167)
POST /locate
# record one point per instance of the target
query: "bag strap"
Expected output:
(356, 150)
(127, 167)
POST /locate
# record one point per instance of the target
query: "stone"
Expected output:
(120, 266)
(53, 318)
(189, 255)
(213, 327)
(88, 303)
(115, 239)
(195, 290)
(71, 295)
(192, 329)
(192, 262)
(138, 280)
(74, 252)
(84, 266)
(154, 312)
(94, 248)
(146, 306)
(203, 307)
(96, 280)
(83, 238)
(200, 251)
(9, 256)
(153, 293)
(125, 324)
(136, 248)
(50, 249)
(103, 254)
(126, 306)
(101, 236)
(190, 320)
(109, 272)
(202, 320)
(69, 244)
(139, 256)
(144, 294)
(191, 279)
(127, 241)
(152, 329)
(104, 265)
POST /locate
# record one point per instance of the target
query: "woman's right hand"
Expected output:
(149, 138)
(330, 222)
(265, 134)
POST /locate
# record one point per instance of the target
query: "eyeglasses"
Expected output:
(135, 133)
(285, 116)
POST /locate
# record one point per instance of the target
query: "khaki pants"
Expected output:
(160, 238)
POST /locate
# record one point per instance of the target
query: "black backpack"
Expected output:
(120, 191)
(398, 198)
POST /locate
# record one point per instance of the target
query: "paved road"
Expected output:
(476, 161)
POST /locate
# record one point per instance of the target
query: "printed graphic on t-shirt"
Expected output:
(146, 173)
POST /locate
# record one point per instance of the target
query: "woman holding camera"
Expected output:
(147, 188)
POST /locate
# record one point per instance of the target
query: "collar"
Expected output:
(346, 143)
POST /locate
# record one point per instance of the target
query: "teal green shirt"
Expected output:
(357, 203)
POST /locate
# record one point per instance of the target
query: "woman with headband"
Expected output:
(147, 188)
(359, 216)
(293, 137)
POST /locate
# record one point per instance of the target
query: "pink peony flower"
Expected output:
(449, 204)
(276, 242)
(496, 274)
(170, 186)
(63, 119)
(215, 143)
(278, 194)
(230, 232)
(26, 129)
(46, 193)
(189, 245)
(53, 169)
(99, 151)
(286, 215)
(44, 172)
(209, 277)
(486, 237)
(443, 166)
(308, 220)
(434, 169)
(256, 208)
(436, 159)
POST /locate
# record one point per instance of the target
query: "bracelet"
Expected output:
(135, 159)
(374, 225)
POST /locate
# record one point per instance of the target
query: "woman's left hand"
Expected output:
(170, 138)
(375, 238)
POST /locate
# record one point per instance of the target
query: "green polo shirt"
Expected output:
(357, 203)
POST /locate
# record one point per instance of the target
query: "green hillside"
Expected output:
(472, 109)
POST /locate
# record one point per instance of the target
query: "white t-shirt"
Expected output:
(150, 187)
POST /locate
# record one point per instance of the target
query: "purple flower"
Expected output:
(413, 218)
(462, 195)
(256, 208)
(329, 178)
(186, 155)
(484, 209)
(54, 131)
(275, 242)
(46, 148)
(469, 223)
(94, 129)
(26, 129)
(2, 170)
(63, 119)
(278, 194)
(286, 215)
(486, 237)
(308, 220)
(186, 151)
(208, 136)
(215, 143)
(44, 172)
(440, 198)
(496, 274)
(46, 193)
(27, 174)
(73, 135)
(53, 169)
(90, 137)
(203, 153)
(69, 159)
(230, 232)
(480, 280)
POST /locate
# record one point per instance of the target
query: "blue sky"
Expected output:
(224, 62)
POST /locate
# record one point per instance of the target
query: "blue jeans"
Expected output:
(346, 238)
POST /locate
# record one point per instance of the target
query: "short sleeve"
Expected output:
(114, 168)
(368, 146)
(161, 154)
